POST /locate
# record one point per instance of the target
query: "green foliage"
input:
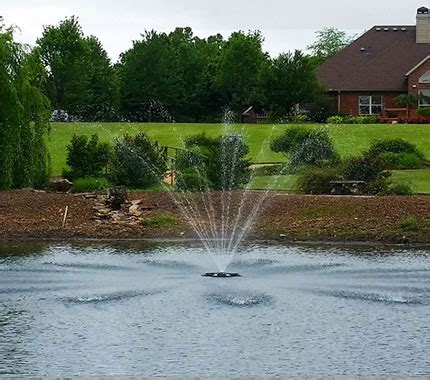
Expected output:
(287, 81)
(90, 184)
(365, 168)
(423, 111)
(240, 65)
(305, 146)
(214, 163)
(24, 116)
(400, 189)
(406, 100)
(317, 180)
(330, 41)
(353, 119)
(81, 79)
(409, 224)
(137, 162)
(398, 154)
(192, 179)
(86, 157)
(158, 220)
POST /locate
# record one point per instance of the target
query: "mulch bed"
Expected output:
(29, 214)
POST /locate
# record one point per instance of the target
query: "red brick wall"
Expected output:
(349, 101)
(415, 76)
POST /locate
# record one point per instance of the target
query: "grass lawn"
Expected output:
(349, 139)
(418, 180)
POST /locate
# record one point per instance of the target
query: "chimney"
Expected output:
(423, 26)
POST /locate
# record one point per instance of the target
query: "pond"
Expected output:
(141, 308)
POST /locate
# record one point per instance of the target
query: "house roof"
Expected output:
(379, 60)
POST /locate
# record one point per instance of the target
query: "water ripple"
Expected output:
(240, 299)
(108, 297)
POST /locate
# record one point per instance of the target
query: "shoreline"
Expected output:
(178, 241)
(286, 219)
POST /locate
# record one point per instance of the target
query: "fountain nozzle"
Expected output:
(221, 275)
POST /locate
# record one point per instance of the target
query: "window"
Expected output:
(425, 78)
(424, 98)
(370, 105)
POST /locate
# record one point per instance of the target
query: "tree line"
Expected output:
(178, 76)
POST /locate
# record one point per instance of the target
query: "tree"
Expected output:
(330, 41)
(24, 116)
(240, 64)
(287, 81)
(81, 79)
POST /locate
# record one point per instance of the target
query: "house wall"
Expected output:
(413, 79)
(349, 101)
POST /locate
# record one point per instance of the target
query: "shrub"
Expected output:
(366, 168)
(159, 220)
(300, 119)
(317, 180)
(336, 120)
(305, 146)
(398, 154)
(86, 157)
(423, 111)
(218, 163)
(353, 120)
(137, 162)
(400, 189)
(192, 180)
(90, 184)
(410, 224)
(401, 161)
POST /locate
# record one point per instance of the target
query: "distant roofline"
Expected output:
(417, 65)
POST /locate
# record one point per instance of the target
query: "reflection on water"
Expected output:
(143, 309)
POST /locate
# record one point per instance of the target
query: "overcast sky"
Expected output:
(286, 24)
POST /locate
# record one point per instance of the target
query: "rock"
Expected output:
(61, 185)
(135, 211)
(136, 202)
(116, 197)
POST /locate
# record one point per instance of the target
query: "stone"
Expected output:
(136, 202)
(135, 211)
(61, 185)
(116, 197)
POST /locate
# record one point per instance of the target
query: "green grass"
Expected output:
(158, 220)
(280, 182)
(418, 180)
(349, 139)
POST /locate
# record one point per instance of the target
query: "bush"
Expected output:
(401, 161)
(317, 180)
(217, 163)
(353, 120)
(192, 180)
(366, 168)
(86, 157)
(137, 162)
(409, 224)
(304, 146)
(300, 119)
(400, 189)
(423, 111)
(398, 154)
(90, 184)
(336, 120)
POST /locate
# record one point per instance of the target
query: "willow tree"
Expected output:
(24, 116)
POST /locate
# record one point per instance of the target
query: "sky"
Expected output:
(285, 24)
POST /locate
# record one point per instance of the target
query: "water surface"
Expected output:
(144, 309)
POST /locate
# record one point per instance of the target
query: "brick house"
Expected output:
(385, 62)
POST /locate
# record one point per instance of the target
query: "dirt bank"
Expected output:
(28, 214)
